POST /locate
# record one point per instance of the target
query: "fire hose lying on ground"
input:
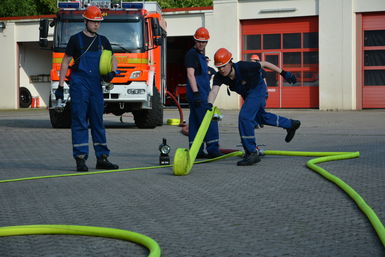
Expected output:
(184, 159)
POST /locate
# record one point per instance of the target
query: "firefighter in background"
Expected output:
(245, 79)
(197, 91)
(210, 70)
(255, 58)
(87, 103)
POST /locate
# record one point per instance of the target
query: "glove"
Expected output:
(59, 93)
(289, 77)
(209, 107)
(109, 76)
(196, 99)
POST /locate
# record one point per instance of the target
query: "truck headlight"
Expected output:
(135, 74)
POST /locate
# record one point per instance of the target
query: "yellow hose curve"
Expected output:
(154, 252)
(146, 241)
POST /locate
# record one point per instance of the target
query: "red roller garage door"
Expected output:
(373, 60)
(291, 43)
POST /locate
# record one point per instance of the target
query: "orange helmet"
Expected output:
(93, 13)
(202, 34)
(222, 57)
(255, 57)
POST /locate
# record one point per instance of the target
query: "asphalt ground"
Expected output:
(277, 207)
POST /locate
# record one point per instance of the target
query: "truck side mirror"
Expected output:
(156, 32)
(43, 32)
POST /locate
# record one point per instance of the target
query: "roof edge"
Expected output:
(203, 8)
(34, 17)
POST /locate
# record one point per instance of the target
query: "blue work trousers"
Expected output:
(252, 113)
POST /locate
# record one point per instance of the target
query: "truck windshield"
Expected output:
(124, 36)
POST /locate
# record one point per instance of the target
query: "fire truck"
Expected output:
(137, 32)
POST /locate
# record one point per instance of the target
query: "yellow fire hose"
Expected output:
(183, 163)
(184, 158)
(146, 241)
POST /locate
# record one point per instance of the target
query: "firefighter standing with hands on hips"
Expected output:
(87, 103)
(245, 79)
(197, 91)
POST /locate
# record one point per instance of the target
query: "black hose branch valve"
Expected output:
(164, 149)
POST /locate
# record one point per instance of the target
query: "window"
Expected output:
(271, 78)
(293, 49)
(252, 42)
(292, 59)
(310, 40)
(310, 59)
(374, 58)
(374, 38)
(292, 40)
(272, 41)
(272, 59)
(374, 77)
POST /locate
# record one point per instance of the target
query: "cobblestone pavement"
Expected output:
(277, 207)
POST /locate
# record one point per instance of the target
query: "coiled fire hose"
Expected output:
(183, 163)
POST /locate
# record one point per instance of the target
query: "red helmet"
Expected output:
(222, 57)
(202, 34)
(93, 13)
(255, 57)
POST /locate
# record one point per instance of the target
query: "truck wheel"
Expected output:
(150, 118)
(60, 119)
(25, 97)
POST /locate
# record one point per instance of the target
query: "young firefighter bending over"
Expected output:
(245, 79)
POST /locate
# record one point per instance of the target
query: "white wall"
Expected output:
(265, 9)
(368, 5)
(225, 32)
(183, 23)
(22, 58)
(35, 61)
(337, 47)
(8, 51)
(337, 55)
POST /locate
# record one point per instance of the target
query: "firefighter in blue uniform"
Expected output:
(255, 58)
(245, 79)
(197, 91)
(210, 70)
(87, 103)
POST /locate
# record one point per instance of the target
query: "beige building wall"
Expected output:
(337, 47)
(8, 72)
(22, 57)
(225, 32)
(338, 55)
(337, 61)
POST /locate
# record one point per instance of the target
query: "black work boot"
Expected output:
(104, 164)
(295, 124)
(81, 164)
(202, 155)
(249, 159)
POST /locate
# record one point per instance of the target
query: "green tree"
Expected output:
(177, 3)
(184, 3)
(11, 8)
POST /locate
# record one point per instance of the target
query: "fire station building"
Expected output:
(336, 49)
